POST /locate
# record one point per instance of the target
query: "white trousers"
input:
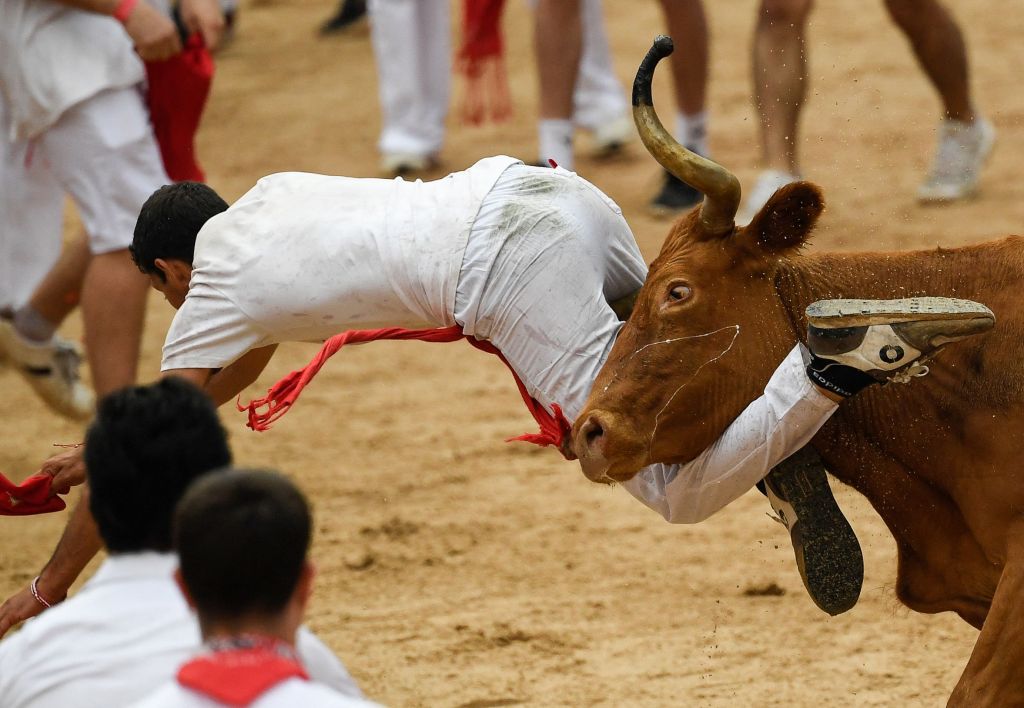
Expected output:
(31, 203)
(546, 253)
(412, 45)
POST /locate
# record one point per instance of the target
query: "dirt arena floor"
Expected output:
(458, 570)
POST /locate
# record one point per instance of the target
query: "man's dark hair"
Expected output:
(146, 445)
(242, 539)
(170, 221)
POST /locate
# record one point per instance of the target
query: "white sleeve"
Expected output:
(768, 431)
(323, 666)
(208, 332)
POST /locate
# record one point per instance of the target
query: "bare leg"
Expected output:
(689, 29)
(58, 294)
(113, 307)
(780, 79)
(940, 50)
(558, 43)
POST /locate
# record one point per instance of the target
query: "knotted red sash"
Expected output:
(238, 676)
(33, 496)
(554, 428)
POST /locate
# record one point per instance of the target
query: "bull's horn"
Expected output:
(720, 187)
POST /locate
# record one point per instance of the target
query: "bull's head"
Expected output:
(707, 328)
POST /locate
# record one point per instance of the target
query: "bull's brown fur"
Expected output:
(938, 459)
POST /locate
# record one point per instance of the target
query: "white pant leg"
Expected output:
(31, 206)
(768, 431)
(599, 97)
(546, 252)
(103, 153)
(412, 45)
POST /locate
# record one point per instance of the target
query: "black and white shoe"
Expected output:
(674, 198)
(855, 343)
(827, 552)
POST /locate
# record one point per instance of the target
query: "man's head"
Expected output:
(146, 445)
(242, 539)
(165, 235)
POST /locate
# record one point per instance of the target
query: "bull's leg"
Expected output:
(827, 552)
(995, 674)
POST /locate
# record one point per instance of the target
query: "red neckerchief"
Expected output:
(554, 428)
(33, 496)
(239, 670)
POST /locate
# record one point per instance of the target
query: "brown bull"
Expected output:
(939, 460)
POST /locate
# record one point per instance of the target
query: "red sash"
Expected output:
(554, 428)
(33, 496)
(239, 675)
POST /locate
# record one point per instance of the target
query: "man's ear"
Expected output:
(785, 221)
(174, 270)
(304, 588)
(180, 581)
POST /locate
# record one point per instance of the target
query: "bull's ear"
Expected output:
(785, 222)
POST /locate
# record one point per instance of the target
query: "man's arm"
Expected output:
(79, 543)
(225, 385)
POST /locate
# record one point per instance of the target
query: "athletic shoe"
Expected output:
(855, 343)
(609, 138)
(768, 182)
(962, 151)
(827, 552)
(675, 197)
(349, 13)
(401, 164)
(51, 369)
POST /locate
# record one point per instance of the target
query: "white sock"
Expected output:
(33, 326)
(692, 132)
(555, 139)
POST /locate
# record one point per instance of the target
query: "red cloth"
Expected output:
(178, 88)
(554, 428)
(33, 496)
(238, 677)
(481, 61)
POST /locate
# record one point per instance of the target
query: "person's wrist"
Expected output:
(124, 10)
(45, 594)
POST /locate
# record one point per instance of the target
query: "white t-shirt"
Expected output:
(53, 57)
(121, 636)
(293, 693)
(302, 257)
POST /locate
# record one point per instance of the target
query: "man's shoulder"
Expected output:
(309, 694)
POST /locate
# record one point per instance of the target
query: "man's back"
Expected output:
(124, 633)
(288, 694)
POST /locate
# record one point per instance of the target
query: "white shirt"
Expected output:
(302, 257)
(52, 57)
(121, 636)
(293, 693)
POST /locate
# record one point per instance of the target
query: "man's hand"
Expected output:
(154, 34)
(204, 17)
(19, 607)
(67, 469)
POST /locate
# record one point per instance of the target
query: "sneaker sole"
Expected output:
(832, 314)
(832, 566)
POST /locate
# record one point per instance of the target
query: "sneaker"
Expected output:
(768, 182)
(402, 164)
(51, 369)
(609, 138)
(349, 13)
(855, 343)
(675, 197)
(962, 151)
(828, 554)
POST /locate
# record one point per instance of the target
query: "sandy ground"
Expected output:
(457, 570)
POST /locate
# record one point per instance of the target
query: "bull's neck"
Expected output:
(941, 273)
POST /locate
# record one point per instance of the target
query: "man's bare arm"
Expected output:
(79, 543)
(225, 385)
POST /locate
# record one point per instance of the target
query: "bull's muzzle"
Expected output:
(598, 443)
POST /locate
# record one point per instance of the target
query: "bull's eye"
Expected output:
(679, 292)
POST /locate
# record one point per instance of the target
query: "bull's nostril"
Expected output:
(593, 431)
